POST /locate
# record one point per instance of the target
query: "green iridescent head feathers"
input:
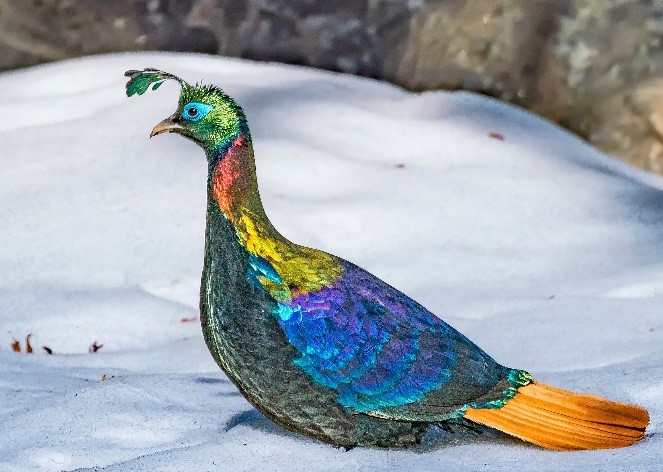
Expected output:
(205, 113)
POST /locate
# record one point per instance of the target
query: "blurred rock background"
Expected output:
(594, 66)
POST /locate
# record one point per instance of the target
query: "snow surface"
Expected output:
(542, 250)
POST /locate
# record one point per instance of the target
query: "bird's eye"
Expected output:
(196, 111)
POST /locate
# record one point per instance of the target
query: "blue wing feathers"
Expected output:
(371, 343)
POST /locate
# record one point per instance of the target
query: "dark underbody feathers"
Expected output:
(249, 345)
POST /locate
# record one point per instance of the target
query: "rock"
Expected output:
(609, 56)
(636, 130)
(355, 36)
(594, 66)
(492, 46)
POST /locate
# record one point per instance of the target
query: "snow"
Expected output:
(539, 248)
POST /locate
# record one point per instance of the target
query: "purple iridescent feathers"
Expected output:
(372, 344)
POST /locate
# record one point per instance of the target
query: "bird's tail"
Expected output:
(558, 419)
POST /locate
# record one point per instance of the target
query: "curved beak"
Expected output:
(166, 126)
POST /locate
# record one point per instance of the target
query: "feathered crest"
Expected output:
(140, 80)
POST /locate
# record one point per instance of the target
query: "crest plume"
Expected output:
(140, 80)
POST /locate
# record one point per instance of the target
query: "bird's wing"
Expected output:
(385, 354)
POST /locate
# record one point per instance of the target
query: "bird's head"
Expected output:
(205, 114)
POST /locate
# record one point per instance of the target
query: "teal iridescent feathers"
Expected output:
(140, 81)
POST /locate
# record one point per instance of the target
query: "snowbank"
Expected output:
(542, 250)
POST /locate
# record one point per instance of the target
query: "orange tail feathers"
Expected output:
(561, 420)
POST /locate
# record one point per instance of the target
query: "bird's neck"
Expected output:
(233, 186)
(239, 232)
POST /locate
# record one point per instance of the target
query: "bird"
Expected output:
(327, 350)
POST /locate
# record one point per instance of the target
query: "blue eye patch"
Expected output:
(195, 111)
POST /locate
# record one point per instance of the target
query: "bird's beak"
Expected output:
(166, 126)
